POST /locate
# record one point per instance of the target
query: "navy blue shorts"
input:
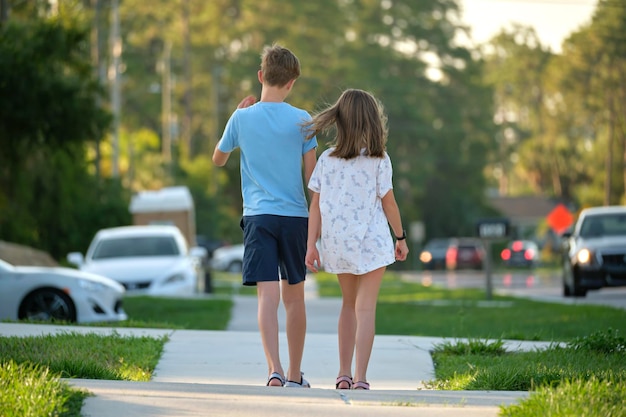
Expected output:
(274, 243)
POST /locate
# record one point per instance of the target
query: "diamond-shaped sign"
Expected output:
(560, 219)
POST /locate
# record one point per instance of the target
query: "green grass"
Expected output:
(590, 360)
(31, 368)
(408, 308)
(176, 313)
(30, 390)
(93, 356)
(592, 398)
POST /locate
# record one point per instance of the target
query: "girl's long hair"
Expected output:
(360, 123)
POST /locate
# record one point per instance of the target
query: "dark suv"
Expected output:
(595, 253)
(465, 253)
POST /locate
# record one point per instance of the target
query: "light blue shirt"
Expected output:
(272, 143)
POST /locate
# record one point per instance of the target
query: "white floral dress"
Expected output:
(355, 236)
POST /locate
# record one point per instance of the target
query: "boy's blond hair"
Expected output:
(279, 65)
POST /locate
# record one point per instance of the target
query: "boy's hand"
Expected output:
(246, 102)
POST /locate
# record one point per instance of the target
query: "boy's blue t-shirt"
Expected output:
(272, 143)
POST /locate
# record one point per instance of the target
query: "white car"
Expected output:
(151, 260)
(63, 294)
(228, 258)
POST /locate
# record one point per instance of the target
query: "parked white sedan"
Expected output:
(228, 258)
(62, 294)
(153, 260)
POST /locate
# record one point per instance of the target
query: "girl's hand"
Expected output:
(402, 250)
(312, 259)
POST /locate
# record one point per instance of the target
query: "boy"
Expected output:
(275, 213)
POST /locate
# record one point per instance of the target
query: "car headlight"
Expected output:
(91, 285)
(174, 279)
(426, 257)
(584, 256)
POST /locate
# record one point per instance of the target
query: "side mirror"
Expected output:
(75, 258)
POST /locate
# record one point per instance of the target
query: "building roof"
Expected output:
(525, 209)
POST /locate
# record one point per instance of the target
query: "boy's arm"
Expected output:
(310, 159)
(219, 157)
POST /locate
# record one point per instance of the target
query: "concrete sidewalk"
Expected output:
(223, 373)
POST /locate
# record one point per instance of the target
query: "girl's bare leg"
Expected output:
(365, 309)
(346, 328)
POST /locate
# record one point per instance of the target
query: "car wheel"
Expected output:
(235, 266)
(576, 289)
(47, 304)
(567, 291)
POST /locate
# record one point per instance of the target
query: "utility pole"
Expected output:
(114, 79)
(166, 104)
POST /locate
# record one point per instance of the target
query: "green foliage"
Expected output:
(471, 347)
(575, 397)
(464, 366)
(30, 390)
(607, 342)
(89, 356)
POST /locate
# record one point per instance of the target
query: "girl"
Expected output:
(352, 207)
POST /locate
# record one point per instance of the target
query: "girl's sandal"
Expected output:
(276, 376)
(341, 379)
(361, 385)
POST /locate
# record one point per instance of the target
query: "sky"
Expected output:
(553, 20)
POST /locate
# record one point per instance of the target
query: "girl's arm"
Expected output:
(312, 259)
(392, 212)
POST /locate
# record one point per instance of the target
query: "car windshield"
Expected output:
(136, 246)
(604, 225)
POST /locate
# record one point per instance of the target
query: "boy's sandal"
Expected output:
(277, 376)
(302, 384)
(361, 385)
(341, 379)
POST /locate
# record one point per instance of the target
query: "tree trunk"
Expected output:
(187, 98)
(4, 11)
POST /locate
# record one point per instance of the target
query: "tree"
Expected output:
(48, 113)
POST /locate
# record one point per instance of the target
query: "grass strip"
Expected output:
(91, 356)
(576, 397)
(409, 308)
(31, 390)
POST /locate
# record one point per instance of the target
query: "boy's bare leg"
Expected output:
(367, 294)
(346, 327)
(293, 299)
(268, 294)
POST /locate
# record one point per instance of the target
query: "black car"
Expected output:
(524, 253)
(433, 256)
(595, 252)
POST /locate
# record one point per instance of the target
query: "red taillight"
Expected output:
(451, 255)
(518, 246)
(529, 254)
(505, 254)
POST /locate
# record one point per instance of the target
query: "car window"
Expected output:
(604, 225)
(136, 246)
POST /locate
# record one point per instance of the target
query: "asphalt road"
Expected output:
(521, 283)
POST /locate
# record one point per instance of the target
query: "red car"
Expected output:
(465, 253)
